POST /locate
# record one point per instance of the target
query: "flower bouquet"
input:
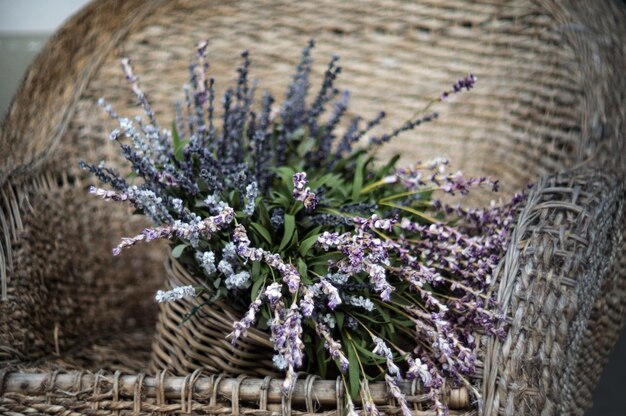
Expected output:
(349, 266)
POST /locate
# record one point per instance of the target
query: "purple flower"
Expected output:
(333, 347)
(465, 82)
(384, 351)
(394, 390)
(289, 273)
(240, 327)
(303, 193)
(332, 293)
(274, 293)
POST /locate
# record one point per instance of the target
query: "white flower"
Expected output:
(175, 294)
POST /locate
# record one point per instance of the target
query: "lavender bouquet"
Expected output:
(355, 267)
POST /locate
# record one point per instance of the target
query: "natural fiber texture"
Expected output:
(201, 341)
(140, 394)
(549, 281)
(549, 99)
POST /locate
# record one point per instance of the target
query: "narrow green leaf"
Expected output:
(178, 153)
(303, 270)
(175, 136)
(290, 226)
(307, 243)
(365, 352)
(178, 250)
(286, 175)
(357, 185)
(305, 146)
(256, 286)
(321, 357)
(339, 316)
(354, 372)
(262, 231)
(389, 166)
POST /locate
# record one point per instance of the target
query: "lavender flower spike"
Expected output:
(394, 390)
(333, 347)
(175, 294)
(465, 82)
(240, 327)
(383, 350)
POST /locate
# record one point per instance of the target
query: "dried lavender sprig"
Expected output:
(333, 347)
(466, 82)
(394, 390)
(134, 81)
(182, 230)
(175, 294)
(290, 275)
(240, 327)
(408, 125)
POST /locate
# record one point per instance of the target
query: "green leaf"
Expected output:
(264, 216)
(305, 146)
(256, 286)
(375, 358)
(312, 232)
(303, 270)
(178, 250)
(389, 166)
(354, 372)
(175, 136)
(321, 357)
(357, 185)
(339, 318)
(262, 231)
(286, 175)
(178, 151)
(290, 226)
(307, 243)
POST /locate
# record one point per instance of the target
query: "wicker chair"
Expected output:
(76, 324)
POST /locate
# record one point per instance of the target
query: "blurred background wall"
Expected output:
(24, 27)
(26, 24)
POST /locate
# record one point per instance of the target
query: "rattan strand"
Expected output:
(550, 76)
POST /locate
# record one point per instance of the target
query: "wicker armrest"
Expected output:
(561, 275)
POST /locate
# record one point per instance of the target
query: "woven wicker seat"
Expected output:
(76, 324)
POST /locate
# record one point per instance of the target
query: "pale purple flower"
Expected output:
(207, 261)
(240, 327)
(307, 304)
(378, 279)
(289, 273)
(384, 351)
(331, 293)
(273, 293)
(360, 302)
(394, 390)
(303, 193)
(328, 240)
(419, 370)
(333, 347)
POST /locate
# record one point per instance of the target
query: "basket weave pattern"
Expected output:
(201, 341)
(548, 102)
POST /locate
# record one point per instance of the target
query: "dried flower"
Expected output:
(175, 294)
